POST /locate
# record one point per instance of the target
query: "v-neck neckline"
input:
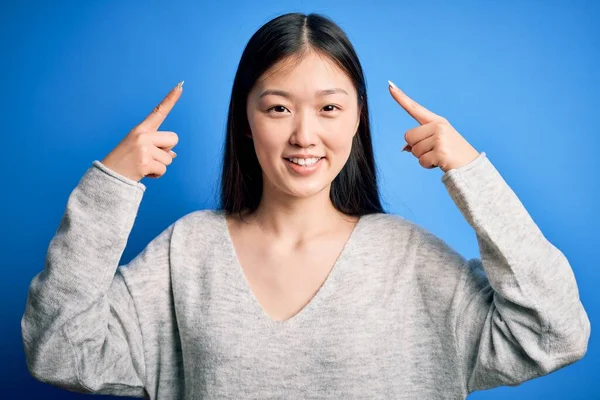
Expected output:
(327, 287)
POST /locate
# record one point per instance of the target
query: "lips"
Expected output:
(304, 170)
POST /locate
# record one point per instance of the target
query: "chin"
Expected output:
(306, 190)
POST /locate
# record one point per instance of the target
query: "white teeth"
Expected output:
(304, 161)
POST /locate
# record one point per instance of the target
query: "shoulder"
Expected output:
(386, 222)
(422, 242)
(439, 262)
(392, 226)
(200, 226)
(206, 216)
(436, 267)
(386, 235)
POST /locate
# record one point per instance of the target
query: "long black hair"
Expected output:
(354, 190)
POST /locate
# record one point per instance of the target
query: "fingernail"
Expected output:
(180, 85)
(393, 85)
(174, 154)
(406, 147)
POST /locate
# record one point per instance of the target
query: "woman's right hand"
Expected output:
(145, 151)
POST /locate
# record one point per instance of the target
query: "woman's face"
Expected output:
(306, 107)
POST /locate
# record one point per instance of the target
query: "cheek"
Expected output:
(266, 137)
(340, 135)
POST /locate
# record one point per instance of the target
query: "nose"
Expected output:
(305, 130)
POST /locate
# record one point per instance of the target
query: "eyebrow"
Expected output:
(285, 94)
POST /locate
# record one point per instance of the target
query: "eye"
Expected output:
(279, 108)
(331, 105)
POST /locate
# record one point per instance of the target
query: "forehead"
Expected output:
(311, 71)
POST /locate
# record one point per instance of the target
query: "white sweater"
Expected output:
(401, 315)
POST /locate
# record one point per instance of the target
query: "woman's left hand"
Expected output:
(435, 142)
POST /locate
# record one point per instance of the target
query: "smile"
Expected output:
(306, 169)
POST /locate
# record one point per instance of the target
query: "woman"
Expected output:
(300, 285)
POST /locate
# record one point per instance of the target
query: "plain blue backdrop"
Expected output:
(518, 79)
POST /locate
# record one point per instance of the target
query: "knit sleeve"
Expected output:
(515, 312)
(80, 327)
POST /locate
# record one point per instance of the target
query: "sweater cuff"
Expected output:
(118, 176)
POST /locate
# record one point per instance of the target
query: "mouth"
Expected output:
(306, 169)
(313, 161)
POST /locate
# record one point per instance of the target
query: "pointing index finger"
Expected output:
(417, 111)
(160, 112)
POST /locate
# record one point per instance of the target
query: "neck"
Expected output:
(294, 219)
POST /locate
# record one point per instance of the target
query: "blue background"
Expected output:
(518, 79)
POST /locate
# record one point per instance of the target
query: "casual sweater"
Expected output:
(401, 314)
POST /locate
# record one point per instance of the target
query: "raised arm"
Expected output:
(81, 328)
(515, 312)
